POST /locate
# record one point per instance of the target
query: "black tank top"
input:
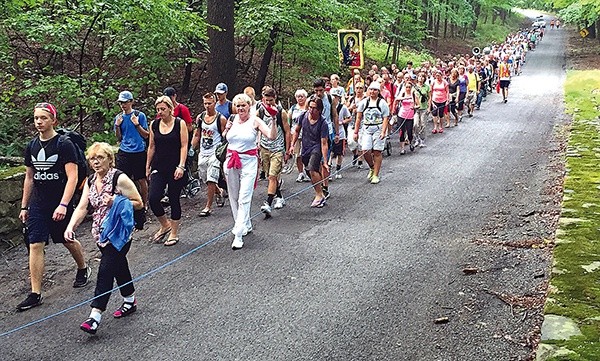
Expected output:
(453, 86)
(167, 147)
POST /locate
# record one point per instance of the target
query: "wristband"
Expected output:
(24, 208)
(64, 205)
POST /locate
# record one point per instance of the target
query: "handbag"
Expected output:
(221, 151)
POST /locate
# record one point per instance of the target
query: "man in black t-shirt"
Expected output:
(50, 181)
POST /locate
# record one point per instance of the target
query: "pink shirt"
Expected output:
(407, 106)
(439, 92)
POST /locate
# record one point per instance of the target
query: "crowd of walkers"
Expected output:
(237, 142)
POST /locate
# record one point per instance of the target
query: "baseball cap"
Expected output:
(221, 88)
(169, 91)
(338, 92)
(125, 96)
(375, 85)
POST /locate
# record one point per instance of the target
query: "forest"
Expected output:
(79, 54)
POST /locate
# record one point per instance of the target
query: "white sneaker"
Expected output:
(338, 176)
(238, 243)
(279, 203)
(247, 230)
(266, 208)
(300, 178)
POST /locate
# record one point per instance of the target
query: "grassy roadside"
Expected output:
(575, 283)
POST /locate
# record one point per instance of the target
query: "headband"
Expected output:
(47, 107)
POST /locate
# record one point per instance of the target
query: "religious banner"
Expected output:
(350, 46)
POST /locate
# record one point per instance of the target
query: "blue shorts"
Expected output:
(41, 227)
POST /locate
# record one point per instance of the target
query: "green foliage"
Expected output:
(488, 33)
(377, 51)
(79, 55)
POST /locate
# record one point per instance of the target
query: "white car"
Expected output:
(539, 24)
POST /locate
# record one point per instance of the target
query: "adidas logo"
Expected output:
(41, 163)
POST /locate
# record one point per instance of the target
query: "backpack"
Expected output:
(80, 144)
(139, 215)
(379, 99)
(260, 112)
(200, 120)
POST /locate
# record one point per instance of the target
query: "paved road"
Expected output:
(363, 278)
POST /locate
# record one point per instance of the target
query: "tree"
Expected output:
(221, 43)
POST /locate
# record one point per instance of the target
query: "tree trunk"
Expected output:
(598, 30)
(221, 55)
(446, 20)
(477, 11)
(261, 77)
(187, 78)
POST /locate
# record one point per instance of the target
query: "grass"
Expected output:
(575, 292)
(376, 51)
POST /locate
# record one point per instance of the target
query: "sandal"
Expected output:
(318, 203)
(126, 309)
(90, 326)
(205, 212)
(171, 242)
(219, 199)
(159, 236)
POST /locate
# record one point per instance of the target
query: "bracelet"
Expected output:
(181, 167)
(64, 205)
(24, 208)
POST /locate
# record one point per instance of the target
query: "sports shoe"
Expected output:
(33, 300)
(247, 230)
(237, 243)
(326, 193)
(371, 172)
(360, 164)
(82, 277)
(90, 326)
(300, 178)
(375, 179)
(412, 148)
(279, 203)
(422, 144)
(266, 208)
(338, 176)
(126, 309)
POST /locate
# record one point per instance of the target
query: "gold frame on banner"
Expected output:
(351, 49)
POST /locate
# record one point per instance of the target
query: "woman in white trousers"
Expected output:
(241, 164)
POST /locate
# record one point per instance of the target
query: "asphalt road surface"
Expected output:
(365, 277)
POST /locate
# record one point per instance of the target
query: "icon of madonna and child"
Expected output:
(351, 48)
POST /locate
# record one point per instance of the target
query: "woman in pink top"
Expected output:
(241, 164)
(437, 101)
(406, 115)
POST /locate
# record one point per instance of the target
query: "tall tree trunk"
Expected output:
(221, 55)
(598, 30)
(187, 78)
(477, 11)
(261, 77)
(436, 32)
(446, 20)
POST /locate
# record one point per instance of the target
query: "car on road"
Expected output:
(539, 23)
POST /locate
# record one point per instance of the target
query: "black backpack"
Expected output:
(80, 144)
